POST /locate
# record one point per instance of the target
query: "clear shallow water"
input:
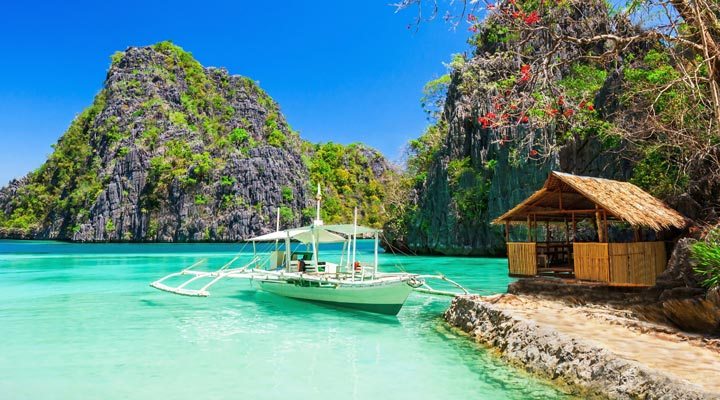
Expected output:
(80, 322)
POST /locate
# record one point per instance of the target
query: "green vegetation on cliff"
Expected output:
(349, 181)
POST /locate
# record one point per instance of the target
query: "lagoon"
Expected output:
(79, 321)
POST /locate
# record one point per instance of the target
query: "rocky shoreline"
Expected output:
(583, 363)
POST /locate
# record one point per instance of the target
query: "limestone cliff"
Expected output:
(477, 172)
(172, 151)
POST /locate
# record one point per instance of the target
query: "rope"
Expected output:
(392, 248)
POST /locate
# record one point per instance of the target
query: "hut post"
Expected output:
(598, 225)
(547, 231)
(560, 199)
(529, 236)
(507, 231)
(605, 226)
(574, 227)
(636, 234)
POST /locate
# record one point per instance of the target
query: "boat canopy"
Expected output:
(304, 235)
(349, 229)
(324, 233)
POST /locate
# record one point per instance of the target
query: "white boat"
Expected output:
(294, 268)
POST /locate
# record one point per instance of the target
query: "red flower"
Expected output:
(487, 120)
(532, 18)
(524, 119)
(568, 113)
(533, 153)
(518, 14)
(484, 121)
(590, 107)
(553, 112)
(524, 73)
(472, 17)
(561, 101)
(473, 29)
(491, 7)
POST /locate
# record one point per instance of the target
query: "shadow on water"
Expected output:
(151, 303)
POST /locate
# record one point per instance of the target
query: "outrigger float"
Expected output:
(294, 269)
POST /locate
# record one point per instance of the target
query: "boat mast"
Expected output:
(318, 197)
(317, 222)
(277, 228)
(288, 252)
(354, 242)
(376, 255)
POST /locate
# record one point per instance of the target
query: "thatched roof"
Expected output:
(621, 200)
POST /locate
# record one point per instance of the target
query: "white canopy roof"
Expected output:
(304, 235)
(324, 233)
(349, 229)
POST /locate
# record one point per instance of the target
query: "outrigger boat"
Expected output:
(295, 269)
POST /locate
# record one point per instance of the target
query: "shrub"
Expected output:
(227, 181)
(117, 57)
(286, 214)
(707, 254)
(178, 118)
(277, 138)
(109, 226)
(287, 194)
(239, 136)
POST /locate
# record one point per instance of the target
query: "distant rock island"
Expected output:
(172, 151)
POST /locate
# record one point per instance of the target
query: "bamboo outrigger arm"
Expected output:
(224, 272)
(424, 287)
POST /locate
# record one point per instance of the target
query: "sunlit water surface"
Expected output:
(80, 322)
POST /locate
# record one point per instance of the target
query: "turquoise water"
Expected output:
(80, 322)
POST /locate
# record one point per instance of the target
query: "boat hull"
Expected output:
(386, 298)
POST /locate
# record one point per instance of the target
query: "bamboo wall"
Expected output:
(592, 262)
(522, 259)
(636, 263)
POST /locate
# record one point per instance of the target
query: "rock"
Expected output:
(594, 371)
(679, 272)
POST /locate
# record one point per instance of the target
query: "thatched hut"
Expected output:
(564, 202)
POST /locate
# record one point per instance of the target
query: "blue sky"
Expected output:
(341, 71)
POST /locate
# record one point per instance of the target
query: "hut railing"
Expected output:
(636, 263)
(592, 261)
(522, 258)
(620, 264)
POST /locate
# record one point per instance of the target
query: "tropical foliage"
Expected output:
(707, 255)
